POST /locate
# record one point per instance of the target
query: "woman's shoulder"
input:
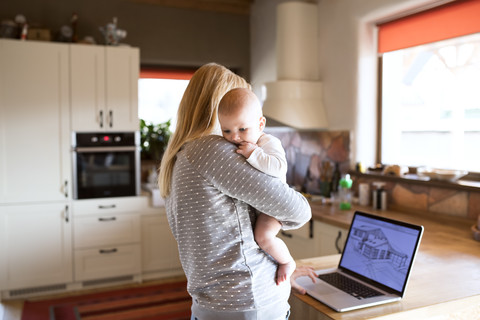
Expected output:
(208, 147)
(210, 141)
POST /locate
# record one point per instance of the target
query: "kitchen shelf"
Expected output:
(462, 184)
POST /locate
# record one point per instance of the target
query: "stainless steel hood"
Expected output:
(296, 99)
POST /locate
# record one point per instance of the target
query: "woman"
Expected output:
(210, 193)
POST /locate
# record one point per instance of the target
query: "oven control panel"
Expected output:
(103, 139)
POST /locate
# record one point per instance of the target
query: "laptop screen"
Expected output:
(381, 249)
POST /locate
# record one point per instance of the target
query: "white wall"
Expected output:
(347, 61)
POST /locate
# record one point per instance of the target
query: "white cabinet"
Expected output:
(314, 239)
(107, 238)
(35, 246)
(34, 122)
(300, 242)
(330, 238)
(159, 248)
(104, 88)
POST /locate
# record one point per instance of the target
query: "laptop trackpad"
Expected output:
(317, 287)
(323, 289)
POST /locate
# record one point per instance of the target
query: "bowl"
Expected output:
(441, 174)
(449, 175)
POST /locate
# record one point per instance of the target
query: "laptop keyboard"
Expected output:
(350, 286)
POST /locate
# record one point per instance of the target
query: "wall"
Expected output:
(166, 36)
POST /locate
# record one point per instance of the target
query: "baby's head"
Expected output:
(240, 116)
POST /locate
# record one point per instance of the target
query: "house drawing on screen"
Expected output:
(373, 244)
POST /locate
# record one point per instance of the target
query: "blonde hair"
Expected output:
(197, 113)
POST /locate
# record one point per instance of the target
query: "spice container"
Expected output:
(379, 196)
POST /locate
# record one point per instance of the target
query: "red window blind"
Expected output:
(458, 18)
(149, 73)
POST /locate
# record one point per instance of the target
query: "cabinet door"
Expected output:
(36, 245)
(159, 248)
(87, 76)
(122, 72)
(34, 122)
(331, 239)
(300, 242)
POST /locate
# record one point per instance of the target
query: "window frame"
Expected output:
(473, 5)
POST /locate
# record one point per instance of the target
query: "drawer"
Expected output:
(106, 229)
(107, 262)
(109, 205)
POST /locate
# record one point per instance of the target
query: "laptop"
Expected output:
(374, 267)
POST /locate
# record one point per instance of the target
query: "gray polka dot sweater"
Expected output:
(210, 213)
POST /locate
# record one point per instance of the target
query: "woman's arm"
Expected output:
(216, 160)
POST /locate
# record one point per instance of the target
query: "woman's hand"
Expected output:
(302, 271)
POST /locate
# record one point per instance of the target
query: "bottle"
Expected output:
(345, 192)
(335, 178)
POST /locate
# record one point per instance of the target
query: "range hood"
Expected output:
(295, 99)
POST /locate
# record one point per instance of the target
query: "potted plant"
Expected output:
(154, 139)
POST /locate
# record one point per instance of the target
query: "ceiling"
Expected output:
(226, 6)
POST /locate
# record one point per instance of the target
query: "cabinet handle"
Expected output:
(286, 234)
(107, 207)
(67, 213)
(65, 190)
(107, 219)
(111, 118)
(103, 251)
(311, 228)
(337, 246)
(101, 118)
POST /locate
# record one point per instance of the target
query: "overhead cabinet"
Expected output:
(34, 122)
(104, 88)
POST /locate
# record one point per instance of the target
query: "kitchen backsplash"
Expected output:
(312, 155)
(407, 197)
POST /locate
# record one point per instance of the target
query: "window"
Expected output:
(430, 102)
(160, 92)
(431, 105)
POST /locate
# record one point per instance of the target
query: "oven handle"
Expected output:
(105, 149)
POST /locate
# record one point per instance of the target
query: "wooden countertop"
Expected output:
(445, 278)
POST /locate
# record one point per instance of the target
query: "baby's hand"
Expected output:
(246, 149)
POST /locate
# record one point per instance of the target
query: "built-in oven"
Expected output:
(106, 164)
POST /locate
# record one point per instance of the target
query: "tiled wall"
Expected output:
(308, 151)
(437, 200)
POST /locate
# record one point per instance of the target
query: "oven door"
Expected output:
(106, 172)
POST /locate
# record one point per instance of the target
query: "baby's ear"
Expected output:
(263, 123)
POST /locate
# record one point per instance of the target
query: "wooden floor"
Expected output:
(12, 309)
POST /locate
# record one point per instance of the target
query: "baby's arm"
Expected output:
(269, 157)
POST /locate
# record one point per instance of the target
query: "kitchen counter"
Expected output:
(445, 279)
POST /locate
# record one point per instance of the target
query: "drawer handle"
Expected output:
(107, 219)
(107, 207)
(101, 119)
(103, 251)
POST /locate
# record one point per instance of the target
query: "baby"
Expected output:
(242, 123)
